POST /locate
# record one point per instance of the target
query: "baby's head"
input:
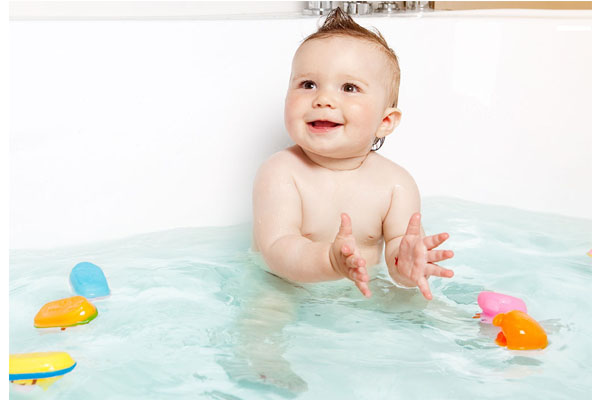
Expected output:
(343, 90)
(340, 24)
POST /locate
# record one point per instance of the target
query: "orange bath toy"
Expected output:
(62, 313)
(520, 331)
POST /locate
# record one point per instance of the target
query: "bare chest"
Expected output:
(325, 197)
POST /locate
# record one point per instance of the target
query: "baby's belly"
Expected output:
(370, 248)
(324, 225)
(373, 254)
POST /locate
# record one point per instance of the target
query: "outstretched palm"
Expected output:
(346, 259)
(416, 258)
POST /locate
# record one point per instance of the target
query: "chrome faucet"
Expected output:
(393, 7)
(317, 8)
(366, 7)
(357, 7)
(389, 7)
(418, 5)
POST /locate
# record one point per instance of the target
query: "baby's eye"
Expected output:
(350, 88)
(308, 85)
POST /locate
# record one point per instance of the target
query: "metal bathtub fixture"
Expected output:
(366, 7)
(418, 6)
(357, 7)
(317, 8)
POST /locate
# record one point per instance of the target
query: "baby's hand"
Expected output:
(345, 257)
(416, 257)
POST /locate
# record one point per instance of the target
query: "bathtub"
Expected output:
(127, 126)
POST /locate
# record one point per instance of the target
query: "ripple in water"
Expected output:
(193, 314)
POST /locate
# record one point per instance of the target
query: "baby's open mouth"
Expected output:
(323, 124)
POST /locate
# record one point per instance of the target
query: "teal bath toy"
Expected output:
(88, 280)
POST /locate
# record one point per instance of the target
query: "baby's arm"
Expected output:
(277, 209)
(409, 253)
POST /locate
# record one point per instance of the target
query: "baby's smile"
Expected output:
(322, 126)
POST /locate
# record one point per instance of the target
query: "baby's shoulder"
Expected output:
(284, 160)
(389, 172)
(285, 157)
(279, 166)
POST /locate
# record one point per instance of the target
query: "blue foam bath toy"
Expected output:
(88, 280)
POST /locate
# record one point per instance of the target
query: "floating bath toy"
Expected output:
(520, 331)
(42, 369)
(67, 312)
(88, 280)
(493, 303)
(589, 253)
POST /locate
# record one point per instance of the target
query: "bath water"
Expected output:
(192, 315)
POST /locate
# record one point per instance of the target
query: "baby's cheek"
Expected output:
(365, 112)
(289, 115)
(293, 109)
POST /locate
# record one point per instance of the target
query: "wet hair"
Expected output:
(339, 23)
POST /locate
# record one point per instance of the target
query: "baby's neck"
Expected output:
(336, 164)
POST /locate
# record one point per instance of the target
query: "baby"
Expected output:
(324, 207)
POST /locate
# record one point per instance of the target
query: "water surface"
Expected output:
(192, 315)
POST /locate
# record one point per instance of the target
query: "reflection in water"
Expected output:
(267, 305)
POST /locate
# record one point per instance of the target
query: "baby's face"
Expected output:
(337, 96)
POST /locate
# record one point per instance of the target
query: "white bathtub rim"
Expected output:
(147, 10)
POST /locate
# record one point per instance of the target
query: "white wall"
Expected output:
(120, 127)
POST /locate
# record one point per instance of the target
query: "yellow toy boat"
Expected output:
(42, 369)
(76, 310)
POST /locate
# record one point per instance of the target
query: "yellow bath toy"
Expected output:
(42, 369)
(76, 310)
(520, 331)
(589, 253)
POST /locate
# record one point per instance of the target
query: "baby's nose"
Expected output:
(323, 99)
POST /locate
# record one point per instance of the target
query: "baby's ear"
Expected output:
(391, 119)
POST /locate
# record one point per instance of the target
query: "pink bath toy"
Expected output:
(493, 303)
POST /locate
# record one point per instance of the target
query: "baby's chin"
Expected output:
(332, 145)
(334, 153)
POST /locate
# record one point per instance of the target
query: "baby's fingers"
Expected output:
(358, 274)
(414, 225)
(345, 226)
(356, 261)
(439, 255)
(424, 288)
(347, 249)
(436, 270)
(433, 241)
(364, 288)
(361, 278)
